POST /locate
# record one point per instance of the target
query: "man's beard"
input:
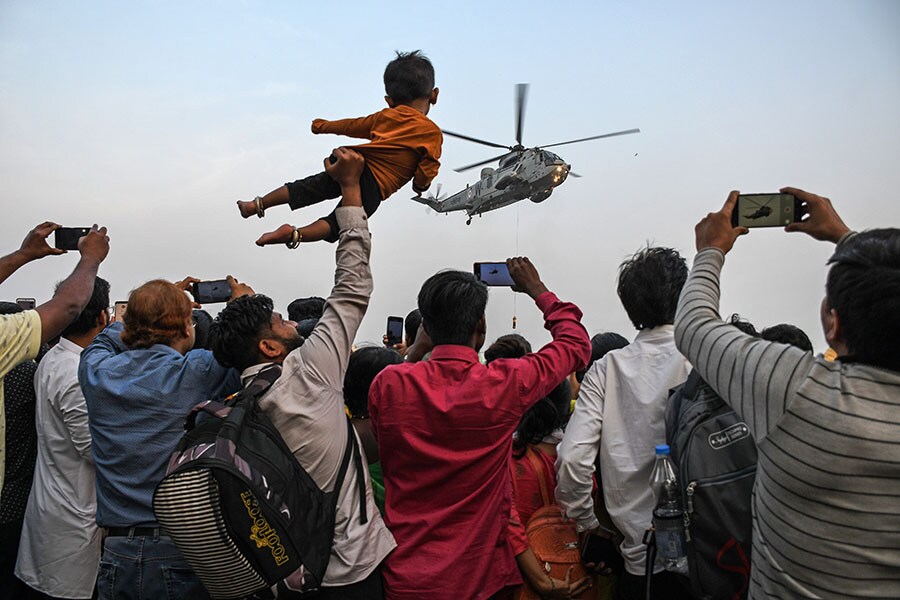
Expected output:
(292, 343)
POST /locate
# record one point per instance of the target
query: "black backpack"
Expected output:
(239, 506)
(715, 455)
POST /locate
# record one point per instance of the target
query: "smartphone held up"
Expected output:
(493, 273)
(66, 238)
(766, 210)
(211, 292)
(394, 333)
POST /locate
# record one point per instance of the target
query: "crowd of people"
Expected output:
(455, 449)
(459, 449)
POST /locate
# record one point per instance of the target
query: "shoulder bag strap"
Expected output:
(538, 466)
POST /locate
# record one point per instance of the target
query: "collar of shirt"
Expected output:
(250, 372)
(454, 352)
(661, 332)
(69, 345)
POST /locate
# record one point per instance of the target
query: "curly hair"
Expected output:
(234, 335)
(158, 312)
(650, 283)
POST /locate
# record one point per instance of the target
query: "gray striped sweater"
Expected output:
(826, 507)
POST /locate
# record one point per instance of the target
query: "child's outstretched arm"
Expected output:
(358, 128)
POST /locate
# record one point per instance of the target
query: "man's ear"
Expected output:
(269, 348)
(390, 101)
(834, 332)
(434, 95)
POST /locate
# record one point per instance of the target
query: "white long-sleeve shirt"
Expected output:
(59, 551)
(620, 412)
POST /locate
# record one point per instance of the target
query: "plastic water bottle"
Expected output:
(668, 516)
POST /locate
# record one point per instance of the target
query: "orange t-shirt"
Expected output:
(405, 145)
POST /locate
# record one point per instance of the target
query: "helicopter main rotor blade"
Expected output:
(478, 164)
(594, 137)
(476, 140)
(521, 96)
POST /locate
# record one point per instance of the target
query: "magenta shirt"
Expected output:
(444, 430)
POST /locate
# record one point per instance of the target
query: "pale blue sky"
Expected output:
(153, 118)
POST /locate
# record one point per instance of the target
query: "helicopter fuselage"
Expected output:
(527, 173)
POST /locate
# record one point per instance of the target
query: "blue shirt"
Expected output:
(137, 401)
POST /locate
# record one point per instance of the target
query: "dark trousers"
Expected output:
(663, 586)
(370, 588)
(320, 187)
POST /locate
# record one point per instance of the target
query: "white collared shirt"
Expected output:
(620, 412)
(59, 550)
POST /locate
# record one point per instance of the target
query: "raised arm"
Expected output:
(75, 291)
(358, 128)
(327, 349)
(570, 349)
(34, 247)
(756, 378)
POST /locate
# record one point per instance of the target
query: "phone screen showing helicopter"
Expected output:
(493, 273)
(765, 210)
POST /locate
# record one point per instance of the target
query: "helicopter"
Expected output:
(521, 173)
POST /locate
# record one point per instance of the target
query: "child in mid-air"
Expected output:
(405, 144)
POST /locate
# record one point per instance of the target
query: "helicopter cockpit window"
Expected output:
(550, 158)
(509, 160)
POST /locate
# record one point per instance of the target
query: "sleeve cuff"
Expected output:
(351, 217)
(590, 524)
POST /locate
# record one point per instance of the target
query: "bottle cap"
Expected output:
(662, 449)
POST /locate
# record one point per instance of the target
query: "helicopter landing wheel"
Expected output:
(469, 221)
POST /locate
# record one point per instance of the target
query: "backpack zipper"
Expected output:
(712, 481)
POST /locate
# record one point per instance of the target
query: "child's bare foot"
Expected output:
(282, 235)
(248, 208)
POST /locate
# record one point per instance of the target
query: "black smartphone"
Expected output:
(119, 309)
(600, 549)
(493, 273)
(26, 303)
(210, 292)
(394, 331)
(766, 210)
(67, 237)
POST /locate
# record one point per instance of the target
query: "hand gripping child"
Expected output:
(405, 144)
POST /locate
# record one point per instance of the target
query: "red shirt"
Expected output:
(444, 430)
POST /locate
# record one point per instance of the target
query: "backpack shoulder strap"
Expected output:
(691, 384)
(538, 466)
(262, 381)
(351, 450)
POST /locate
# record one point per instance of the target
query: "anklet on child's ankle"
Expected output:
(260, 209)
(296, 238)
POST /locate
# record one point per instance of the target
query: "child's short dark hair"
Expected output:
(409, 77)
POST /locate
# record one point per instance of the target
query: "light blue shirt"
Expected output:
(137, 401)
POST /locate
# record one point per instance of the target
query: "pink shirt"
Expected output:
(444, 430)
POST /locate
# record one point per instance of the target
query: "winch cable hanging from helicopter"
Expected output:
(522, 172)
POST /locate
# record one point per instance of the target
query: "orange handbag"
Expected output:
(552, 537)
